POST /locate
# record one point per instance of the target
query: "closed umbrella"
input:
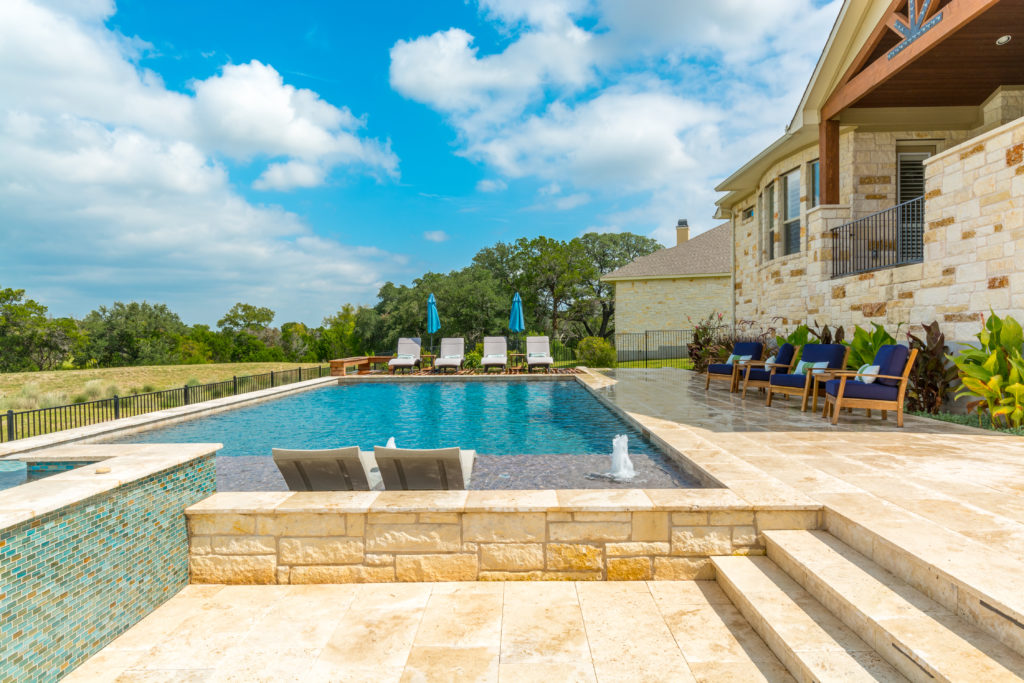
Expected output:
(433, 320)
(516, 324)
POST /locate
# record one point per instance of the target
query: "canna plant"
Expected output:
(933, 375)
(994, 371)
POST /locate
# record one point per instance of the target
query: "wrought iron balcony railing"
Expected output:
(885, 239)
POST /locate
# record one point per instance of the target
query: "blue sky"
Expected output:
(298, 155)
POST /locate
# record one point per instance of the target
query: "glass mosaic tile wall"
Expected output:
(74, 579)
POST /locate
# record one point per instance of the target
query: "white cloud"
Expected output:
(572, 201)
(436, 236)
(107, 176)
(490, 185)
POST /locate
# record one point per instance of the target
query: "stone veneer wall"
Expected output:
(665, 303)
(73, 579)
(338, 537)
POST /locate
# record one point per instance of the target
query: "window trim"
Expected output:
(787, 220)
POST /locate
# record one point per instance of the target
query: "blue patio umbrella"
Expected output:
(516, 324)
(433, 320)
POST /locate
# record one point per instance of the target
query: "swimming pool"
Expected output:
(495, 418)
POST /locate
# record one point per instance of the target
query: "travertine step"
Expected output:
(978, 584)
(918, 636)
(809, 640)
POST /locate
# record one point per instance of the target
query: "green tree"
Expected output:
(553, 271)
(29, 340)
(132, 334)
(246, 317)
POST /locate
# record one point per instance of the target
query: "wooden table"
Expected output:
(363, 364)
(516, 361)
(820, 378)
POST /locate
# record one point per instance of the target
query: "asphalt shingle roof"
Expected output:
(707, 253)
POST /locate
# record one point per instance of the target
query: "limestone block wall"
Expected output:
(664, 304)
(352, 537)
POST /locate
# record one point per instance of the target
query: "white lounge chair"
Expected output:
(538, 353)
(453, 353)
(495, 353)
(408, 356)
(336, 469)
(408, 469)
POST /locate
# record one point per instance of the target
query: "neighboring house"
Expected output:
(693, 278)
(896, 194)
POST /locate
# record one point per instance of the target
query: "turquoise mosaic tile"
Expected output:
(74, 579)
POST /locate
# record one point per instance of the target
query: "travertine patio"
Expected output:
(916, 573)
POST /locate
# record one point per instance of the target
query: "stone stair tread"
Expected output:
(809, 640)
(889, 612)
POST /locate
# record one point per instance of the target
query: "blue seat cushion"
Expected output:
(891, 359)
(873, 391)
(784, 356)
(794, 381)
(720, 369)
(833, 354)
(759, 375)
(752, 349)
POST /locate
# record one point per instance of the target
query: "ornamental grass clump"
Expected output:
(994, 372)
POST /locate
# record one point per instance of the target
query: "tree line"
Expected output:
(559, 282)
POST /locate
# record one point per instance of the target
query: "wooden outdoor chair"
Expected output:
(730, 372)
(757, 374)
(886, 392)
(833, 356)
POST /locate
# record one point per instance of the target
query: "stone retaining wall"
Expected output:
(352, 537)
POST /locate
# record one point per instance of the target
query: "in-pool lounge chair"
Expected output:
(730, 370)
(881, 385)
(757, 373)
(538, 353)
(408, 469)
(495, 353)
(814, 358)
(453, 354)
(336, 469)
(408, 356)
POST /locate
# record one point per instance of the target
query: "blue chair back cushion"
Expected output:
(784, 356)
(758, 375)
(752, 349)
(891, 359)
(831, 353)
(794, 381)
(873, 391)
(720, 369)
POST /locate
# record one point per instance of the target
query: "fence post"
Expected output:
(271, 379)
(186, 394)
(646, 335)
(117, 407)
(234, 384)
(300, 373)
(10, 425)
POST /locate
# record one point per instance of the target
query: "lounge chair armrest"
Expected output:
(752, 363)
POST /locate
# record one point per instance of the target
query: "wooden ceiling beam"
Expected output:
(954, 16)
(869, 45)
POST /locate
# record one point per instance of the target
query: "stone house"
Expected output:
(693, 278)
(896, 193)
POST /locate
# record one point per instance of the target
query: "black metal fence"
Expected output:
(21, 425)
(885, 239)
(654, 349)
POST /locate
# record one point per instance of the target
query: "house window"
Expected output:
(815, 194)
(747, 214)
(791, 211)
(768, 220)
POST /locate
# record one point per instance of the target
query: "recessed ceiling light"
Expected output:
(1003, 40)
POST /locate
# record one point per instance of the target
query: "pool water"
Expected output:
(493, 418)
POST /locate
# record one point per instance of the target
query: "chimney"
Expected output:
(682, 231)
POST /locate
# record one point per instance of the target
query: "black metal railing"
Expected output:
(654, 349)
(885, 239)
(26, 423)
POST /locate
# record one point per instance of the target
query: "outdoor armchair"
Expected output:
(408, 355)
(495, 353)
(538, 353)
(883, 389)
(453, 354)
(438, 469)
(813, 359)
(336, 469)
(730, 371)
(758, 373)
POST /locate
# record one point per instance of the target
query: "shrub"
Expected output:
(865, 345)
(933, 375)
(596, 352)
(994, 371)
(192, 382)
(93, 389)
(148, 388)
(706, 333)
(473, 360)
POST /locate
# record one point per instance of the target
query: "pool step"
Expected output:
(918, 636)
(808, 639)
(971, 580)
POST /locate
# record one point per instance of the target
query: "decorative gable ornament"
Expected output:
(915, 26)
